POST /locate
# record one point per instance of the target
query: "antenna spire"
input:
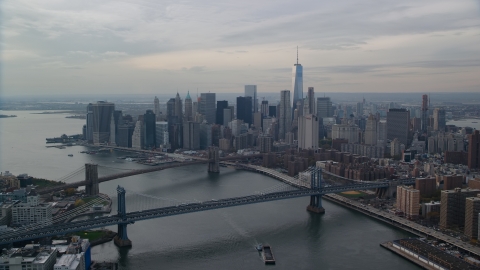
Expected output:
(297, 55)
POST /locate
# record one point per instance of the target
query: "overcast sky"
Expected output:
(144, 46)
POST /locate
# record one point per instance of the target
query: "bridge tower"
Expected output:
(315, 205)
(91, 179)
(121, 239)
(388, 192)
(213, 157)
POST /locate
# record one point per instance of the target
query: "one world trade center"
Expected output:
(297, 84)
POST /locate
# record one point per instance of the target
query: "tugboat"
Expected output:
(259, 247)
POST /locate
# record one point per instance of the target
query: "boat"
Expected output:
(268, 255)
(259, 247)
(70, 155)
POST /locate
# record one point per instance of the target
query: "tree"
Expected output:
(79, 202)
(70, 191)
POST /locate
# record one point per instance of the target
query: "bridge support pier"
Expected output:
(315, 205)
(121, 239)
(214, 161)
(91, 177)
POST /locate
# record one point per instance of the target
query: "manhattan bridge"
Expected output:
(137, 207)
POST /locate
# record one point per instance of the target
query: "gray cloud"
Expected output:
(97, 38)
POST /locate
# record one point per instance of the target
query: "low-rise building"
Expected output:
(32, 211)
(31, 257)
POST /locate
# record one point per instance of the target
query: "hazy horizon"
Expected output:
(111, 47)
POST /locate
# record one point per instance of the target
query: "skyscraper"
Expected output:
(188, 107)
(324, 107)
(138, 134)
(221, 105)
(285, 114)
(149, 123)
(90, 123)
(371, 131)
(439, 119)
(206, 106)
(227, 116)
(244, 109)
(251, 91)
(359, 112)
(170, 108)
(424, 113)
(102, 113)
(178, 108)
(156, 103)
(474, 150)
(191, 135)
(307, 129)
(297, 83)
(311, 100)
(398, 123)
(264, 108)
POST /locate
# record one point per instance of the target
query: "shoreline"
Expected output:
(402, 223)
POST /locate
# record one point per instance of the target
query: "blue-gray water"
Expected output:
(218, 239)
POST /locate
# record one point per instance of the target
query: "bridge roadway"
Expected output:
(306, 184)
(142, 171)
(130, 218)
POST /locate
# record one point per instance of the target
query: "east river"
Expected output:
(217, 239)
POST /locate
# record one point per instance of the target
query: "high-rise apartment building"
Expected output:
(244, 109)
(206, 106)
(265, 144)
(285, 114)
(452, 211)
(439, 121)
(297, 84)
(308, 132)
(472, 210)
(346, 131)
(102, 117)
(408, 201)
(311, 101)
(324, 107)
(474, 150)
(398, 123)
(188, 107)
(371, 130)
(251, 91)
(221, 105)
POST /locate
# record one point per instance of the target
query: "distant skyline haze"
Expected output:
(149, 47)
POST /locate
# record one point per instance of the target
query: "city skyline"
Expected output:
(58, 48)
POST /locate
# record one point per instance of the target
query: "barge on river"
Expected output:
(268, 255)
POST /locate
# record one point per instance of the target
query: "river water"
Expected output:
(217, 239)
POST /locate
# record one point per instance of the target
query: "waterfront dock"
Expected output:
(402, 223)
